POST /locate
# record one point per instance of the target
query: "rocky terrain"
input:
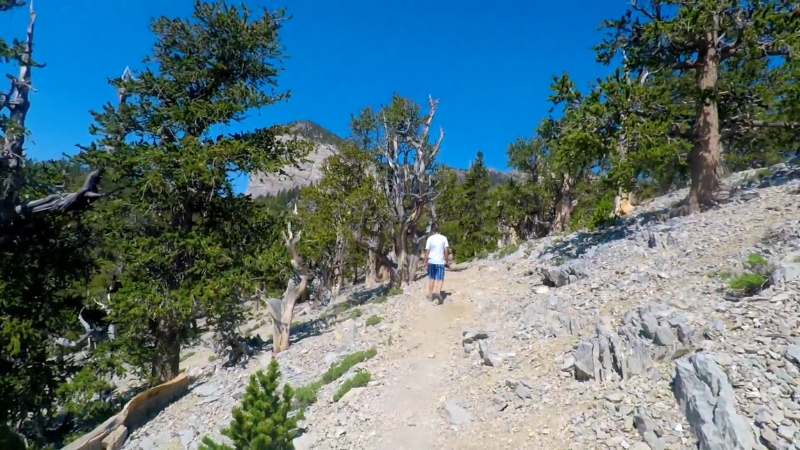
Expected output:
(326, 144)
(626, 338)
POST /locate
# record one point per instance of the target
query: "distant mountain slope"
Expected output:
(326, 145)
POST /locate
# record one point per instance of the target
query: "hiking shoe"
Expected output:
(437, 297)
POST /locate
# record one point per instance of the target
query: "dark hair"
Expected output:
(434, 228)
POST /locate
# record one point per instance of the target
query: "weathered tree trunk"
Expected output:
(400, 273)
(564, 205)
(281, 329)
(371, 277)
(624, 201)
(416, 249)
(166, 365)
(704, 156)
(511, 236)
(282, 310)
(338, 265)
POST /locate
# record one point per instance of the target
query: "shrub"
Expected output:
(751, 282)
(756, 261)
(340, 368)
(360, 380)
(307, 395)
(373, 320)
(262, 421)
(748, 283)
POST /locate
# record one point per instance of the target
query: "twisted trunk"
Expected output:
(282, 310)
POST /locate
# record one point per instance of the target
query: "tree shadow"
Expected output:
(622, 228)
(307, 329)
(297, 333)
(360, 297)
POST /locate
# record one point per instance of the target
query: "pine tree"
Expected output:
(187, 245)
(477, 229)
(701, 38)
(262, 422)
(45, 252)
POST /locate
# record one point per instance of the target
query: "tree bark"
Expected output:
(166, 365)
(564, 204)
(338, 263)
(624, 201)
(281, 329)
(416, 246)
(704, 156)
(400, 272)
(371, 277)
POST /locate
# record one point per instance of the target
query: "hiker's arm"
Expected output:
(446, 250)
(427, 250)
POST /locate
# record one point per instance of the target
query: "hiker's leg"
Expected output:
(431, 279)
(439, 278)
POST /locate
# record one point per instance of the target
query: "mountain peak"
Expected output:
(315, 132)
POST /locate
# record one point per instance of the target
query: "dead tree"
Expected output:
(409, 157)
(282, 310)
(92, 336)
(14, 210)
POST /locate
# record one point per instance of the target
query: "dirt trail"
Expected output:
(427, 362)
(419, 365)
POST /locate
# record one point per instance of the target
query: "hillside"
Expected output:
(326, 145)
(627, 338)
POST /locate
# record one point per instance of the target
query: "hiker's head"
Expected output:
(435, 229)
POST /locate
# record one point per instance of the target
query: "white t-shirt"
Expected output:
(436, 245)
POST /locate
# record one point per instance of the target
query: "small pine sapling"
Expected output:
(262, 421)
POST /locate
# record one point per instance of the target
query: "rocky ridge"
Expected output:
(625, 338)
(326, 144)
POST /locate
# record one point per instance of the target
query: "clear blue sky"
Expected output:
(489, 62)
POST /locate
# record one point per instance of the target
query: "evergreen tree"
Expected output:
(187, 245)
(45, 257)
(477, 229)
(262, 421)
(701, 38)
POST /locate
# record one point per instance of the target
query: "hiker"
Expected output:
(436, 254)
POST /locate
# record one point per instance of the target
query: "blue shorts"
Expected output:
(436, 272)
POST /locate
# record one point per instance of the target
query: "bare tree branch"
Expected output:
(12, 155)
